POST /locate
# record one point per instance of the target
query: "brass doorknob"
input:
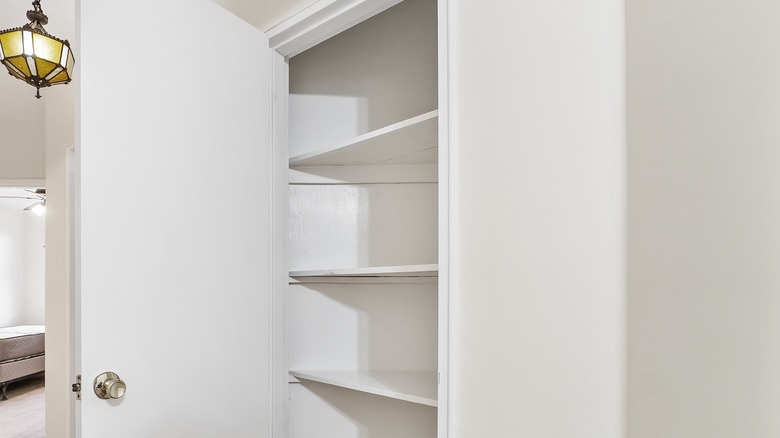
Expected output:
(109, 386)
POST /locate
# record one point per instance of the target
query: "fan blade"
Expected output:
(40, 193)
(18, 197)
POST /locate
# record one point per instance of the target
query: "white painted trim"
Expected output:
(429, 270)
(73, 243)
(363, 280)
(75, 229)
(445, 203)
(398, 174)
(321, 21)
(279, 207)
(22, 183)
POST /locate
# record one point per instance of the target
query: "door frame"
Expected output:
(313, 25)
(74, 282)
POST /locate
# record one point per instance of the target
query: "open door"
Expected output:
(174, 224)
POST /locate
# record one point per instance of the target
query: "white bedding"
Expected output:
(20, 330)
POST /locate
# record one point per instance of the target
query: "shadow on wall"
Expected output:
(356, 326)
(365, 416)
(365, 78)
(374, 225)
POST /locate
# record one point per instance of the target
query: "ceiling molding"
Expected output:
(22, 183)
(321, 21)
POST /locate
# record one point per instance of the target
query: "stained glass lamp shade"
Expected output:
(32, 55)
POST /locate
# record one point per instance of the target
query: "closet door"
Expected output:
(174, 225)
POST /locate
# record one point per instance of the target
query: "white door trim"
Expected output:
(445, 181)
(321, 21)
(74, 283)
(279, 278)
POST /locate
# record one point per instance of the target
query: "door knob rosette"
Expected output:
(109, 386)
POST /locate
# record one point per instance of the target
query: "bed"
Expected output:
(22, 354)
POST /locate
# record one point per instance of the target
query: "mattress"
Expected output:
(21, 368)
(21, 341)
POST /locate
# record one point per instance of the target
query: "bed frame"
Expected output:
(22, 355)
(22, 369)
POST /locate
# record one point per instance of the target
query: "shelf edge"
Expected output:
(384, 392)
(294, 161)
(424, 270)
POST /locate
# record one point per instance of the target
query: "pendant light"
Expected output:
(32, 55)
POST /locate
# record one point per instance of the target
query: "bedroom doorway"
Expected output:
(22, 311)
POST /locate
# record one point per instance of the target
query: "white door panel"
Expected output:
(174, 226)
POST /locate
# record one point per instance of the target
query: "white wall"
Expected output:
(22, 148)
(537, 305)
(35, 261)
(22, 151)
(21, 265)
(704, 218)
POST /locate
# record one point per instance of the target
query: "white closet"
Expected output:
(362, 302)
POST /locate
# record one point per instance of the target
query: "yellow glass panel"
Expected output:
(62, 77)
(12, 43)
(44, 67)
(13, 70)
(54, 73)
(21, 63)
(47, 48)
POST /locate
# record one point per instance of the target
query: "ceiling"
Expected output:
(264, 14)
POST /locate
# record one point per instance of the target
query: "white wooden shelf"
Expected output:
(412, 141)
(412, 386)
(431, 270)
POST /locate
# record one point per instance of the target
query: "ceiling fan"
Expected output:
(37, 195)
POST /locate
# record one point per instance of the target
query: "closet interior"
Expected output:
(363, 220)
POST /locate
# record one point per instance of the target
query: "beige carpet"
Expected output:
(22, 415)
